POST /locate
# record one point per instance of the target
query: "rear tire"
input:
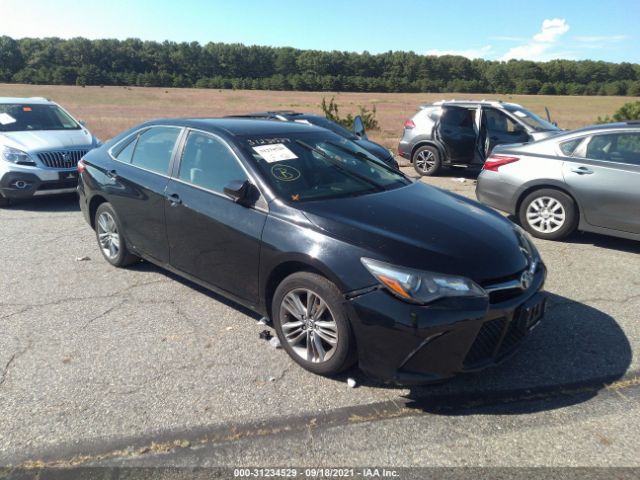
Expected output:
(549, 214)
(109, 235)
(312, 325)
(426, 161)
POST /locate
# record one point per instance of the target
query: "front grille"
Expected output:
(485, 343)
(515, 334)
(62, 158)
(500, 296)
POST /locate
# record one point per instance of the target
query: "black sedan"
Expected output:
(357, 135)
(305, 227)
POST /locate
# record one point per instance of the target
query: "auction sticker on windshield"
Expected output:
(275, 153)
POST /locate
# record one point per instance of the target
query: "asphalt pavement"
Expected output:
(105, 366)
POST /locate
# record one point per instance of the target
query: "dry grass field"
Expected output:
(109, 110)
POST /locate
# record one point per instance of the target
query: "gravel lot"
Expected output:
(139, 367)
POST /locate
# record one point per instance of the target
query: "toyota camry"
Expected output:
(306, 227)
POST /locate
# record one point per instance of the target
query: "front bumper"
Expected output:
(23, 185)
(409, 344)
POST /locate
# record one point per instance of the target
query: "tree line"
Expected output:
(134, 62)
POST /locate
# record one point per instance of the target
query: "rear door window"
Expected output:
(615, 147)
(154, 149)
(568, 147)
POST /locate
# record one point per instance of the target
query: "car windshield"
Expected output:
(329, 125)
(27, 117)
(314, 166)
(531, 119)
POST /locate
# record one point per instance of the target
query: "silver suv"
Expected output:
(40, 145)
(462, 133)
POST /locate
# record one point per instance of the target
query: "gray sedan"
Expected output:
(587, 179)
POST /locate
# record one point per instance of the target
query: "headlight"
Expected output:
(420, 286)
(14, 155)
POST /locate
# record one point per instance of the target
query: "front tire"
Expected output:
(549, 214)
(110, 238)
(4, 201)
(311, 323)
(426, 161)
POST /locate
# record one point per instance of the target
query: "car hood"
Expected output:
(375, 148)
(541, 135)
(39, 140)
(423, 227)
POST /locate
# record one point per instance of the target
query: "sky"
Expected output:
(495, 30)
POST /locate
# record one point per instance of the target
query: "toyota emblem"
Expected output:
(526, 279)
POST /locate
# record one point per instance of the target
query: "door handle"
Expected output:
(582, 170)
(174, 199)
(112, 174)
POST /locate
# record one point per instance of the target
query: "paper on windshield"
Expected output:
(275, 153)
(520, 114)
(6, 119)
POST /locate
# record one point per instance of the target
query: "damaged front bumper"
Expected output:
(408, 344)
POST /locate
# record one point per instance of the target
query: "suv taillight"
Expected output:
(81, 166)
(409, 124)
(494, 162)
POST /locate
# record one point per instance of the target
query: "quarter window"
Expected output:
(154, 148)
(207, 162)
(569, 147)
(126, 153)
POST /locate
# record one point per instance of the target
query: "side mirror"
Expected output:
(358, 127)
(239, 191)
(82, 123)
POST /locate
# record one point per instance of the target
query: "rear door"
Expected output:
(211, 237)
(502, 129)
(605, 177)
(456, 131)
(137, 188)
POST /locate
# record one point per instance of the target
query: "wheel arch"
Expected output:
(430, 143)
(298, 263)
(94, 203)
(550, 185)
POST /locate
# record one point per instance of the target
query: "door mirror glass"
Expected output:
(239, 191)
(358, 127)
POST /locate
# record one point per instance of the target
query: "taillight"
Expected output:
(409, 124)
(494, 162)
(81, 166)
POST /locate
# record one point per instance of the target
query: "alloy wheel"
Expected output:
(308, 325)
(425, 160)
(546, 215)
(108, 235)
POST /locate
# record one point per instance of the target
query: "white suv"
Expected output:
(40, 145)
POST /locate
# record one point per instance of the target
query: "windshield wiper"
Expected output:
(378, 187)
(364, 156)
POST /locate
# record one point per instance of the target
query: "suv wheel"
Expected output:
(312, 324)
(548, 214)
(110, 238)
(426, 161)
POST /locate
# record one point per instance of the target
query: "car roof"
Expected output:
(470, 103)
(238, 126)
(629, 125)
(277, 114)
(29, 100)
